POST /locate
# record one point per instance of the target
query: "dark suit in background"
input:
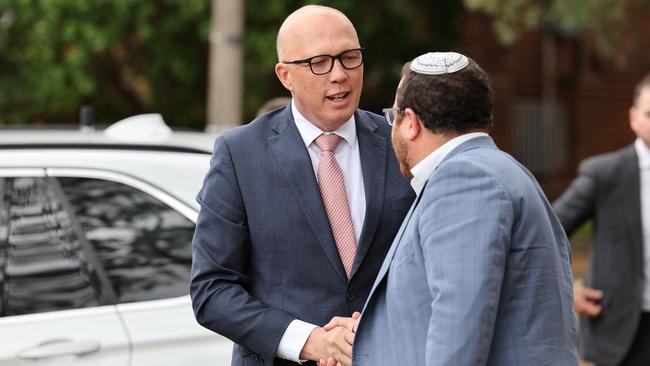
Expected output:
(614, 304)
(607, 192)
(263, 252)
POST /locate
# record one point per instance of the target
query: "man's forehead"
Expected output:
(303, 31)
(308, 13)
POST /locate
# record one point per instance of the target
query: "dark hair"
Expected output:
(644, 83)
(449, 103)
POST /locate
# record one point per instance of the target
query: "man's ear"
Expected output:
(413, 124)
(282, 73)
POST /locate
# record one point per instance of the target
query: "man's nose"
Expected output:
(338, 73)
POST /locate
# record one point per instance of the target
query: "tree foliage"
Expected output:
(123, 57)
(132, 56)
(604, 20)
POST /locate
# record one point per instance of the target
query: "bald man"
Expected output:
(299, 206)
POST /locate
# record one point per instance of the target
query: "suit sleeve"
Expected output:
(220, 274)
(576, 204)
(464, 229)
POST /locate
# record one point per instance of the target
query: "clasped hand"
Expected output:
(332, 344)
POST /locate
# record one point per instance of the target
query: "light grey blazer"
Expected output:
(479, 273)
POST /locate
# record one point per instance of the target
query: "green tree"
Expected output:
(134, 56)
(121, 56)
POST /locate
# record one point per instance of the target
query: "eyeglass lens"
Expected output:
(323, 64)
(389, 113)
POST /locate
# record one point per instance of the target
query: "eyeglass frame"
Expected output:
(333, 58)
(391, 113)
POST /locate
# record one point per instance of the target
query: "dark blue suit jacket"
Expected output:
(263, 251)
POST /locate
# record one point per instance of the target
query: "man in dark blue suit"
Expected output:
(299, 206)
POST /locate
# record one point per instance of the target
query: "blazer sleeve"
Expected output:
(464, 227)
(577, 204)
(220, 280)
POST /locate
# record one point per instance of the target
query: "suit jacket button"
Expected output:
(350, 296)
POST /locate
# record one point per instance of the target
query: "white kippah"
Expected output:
(438, 63)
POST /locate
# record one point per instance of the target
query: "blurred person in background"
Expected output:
(299, 206)
(613, 190)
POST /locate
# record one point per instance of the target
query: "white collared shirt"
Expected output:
(348, 157)
(423, 170)
(643, 154)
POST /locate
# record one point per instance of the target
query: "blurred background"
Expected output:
(563, 71)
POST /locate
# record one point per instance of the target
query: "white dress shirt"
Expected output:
(643, 154)
(423, 170)
(348, 157)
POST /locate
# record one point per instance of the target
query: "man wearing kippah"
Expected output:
(479, 273)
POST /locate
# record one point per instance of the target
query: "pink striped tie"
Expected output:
(335, 198)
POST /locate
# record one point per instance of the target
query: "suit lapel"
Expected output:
(393, 247)
(293, 159)
(631, 199)
(373, 154)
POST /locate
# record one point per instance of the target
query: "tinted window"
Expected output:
(144, 245)
(44, 264)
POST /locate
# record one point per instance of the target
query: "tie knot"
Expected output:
(327, 142)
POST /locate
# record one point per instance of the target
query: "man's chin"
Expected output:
(336, 120)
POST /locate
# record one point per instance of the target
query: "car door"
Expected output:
(165, 333)
(55, 299)
(142, 237)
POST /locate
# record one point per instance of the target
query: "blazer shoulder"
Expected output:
(373, 121)
(258, 129)
(607, 163)
(490, 164)
(374, 117)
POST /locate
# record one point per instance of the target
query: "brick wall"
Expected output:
(594, 91)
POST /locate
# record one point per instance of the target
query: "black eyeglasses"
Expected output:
(323, 64)
(390, 113)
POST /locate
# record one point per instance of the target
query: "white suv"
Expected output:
(95, 247)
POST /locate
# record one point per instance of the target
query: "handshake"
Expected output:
(331, 345)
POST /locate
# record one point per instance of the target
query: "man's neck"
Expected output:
(429, 143)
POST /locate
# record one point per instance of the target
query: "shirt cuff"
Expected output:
(294, 339)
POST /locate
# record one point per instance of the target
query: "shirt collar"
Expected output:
(309, 132)
(643, 154)
(423, 170)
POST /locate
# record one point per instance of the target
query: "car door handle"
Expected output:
(59, 347)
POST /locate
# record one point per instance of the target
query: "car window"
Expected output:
(44, 264)
(68, 243)
(143, 245)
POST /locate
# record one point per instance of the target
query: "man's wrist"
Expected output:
(294, 339)
(312, 348)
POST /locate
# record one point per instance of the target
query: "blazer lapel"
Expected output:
(393, 247)
(293, 159)
(373, 154)
(631, 200)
